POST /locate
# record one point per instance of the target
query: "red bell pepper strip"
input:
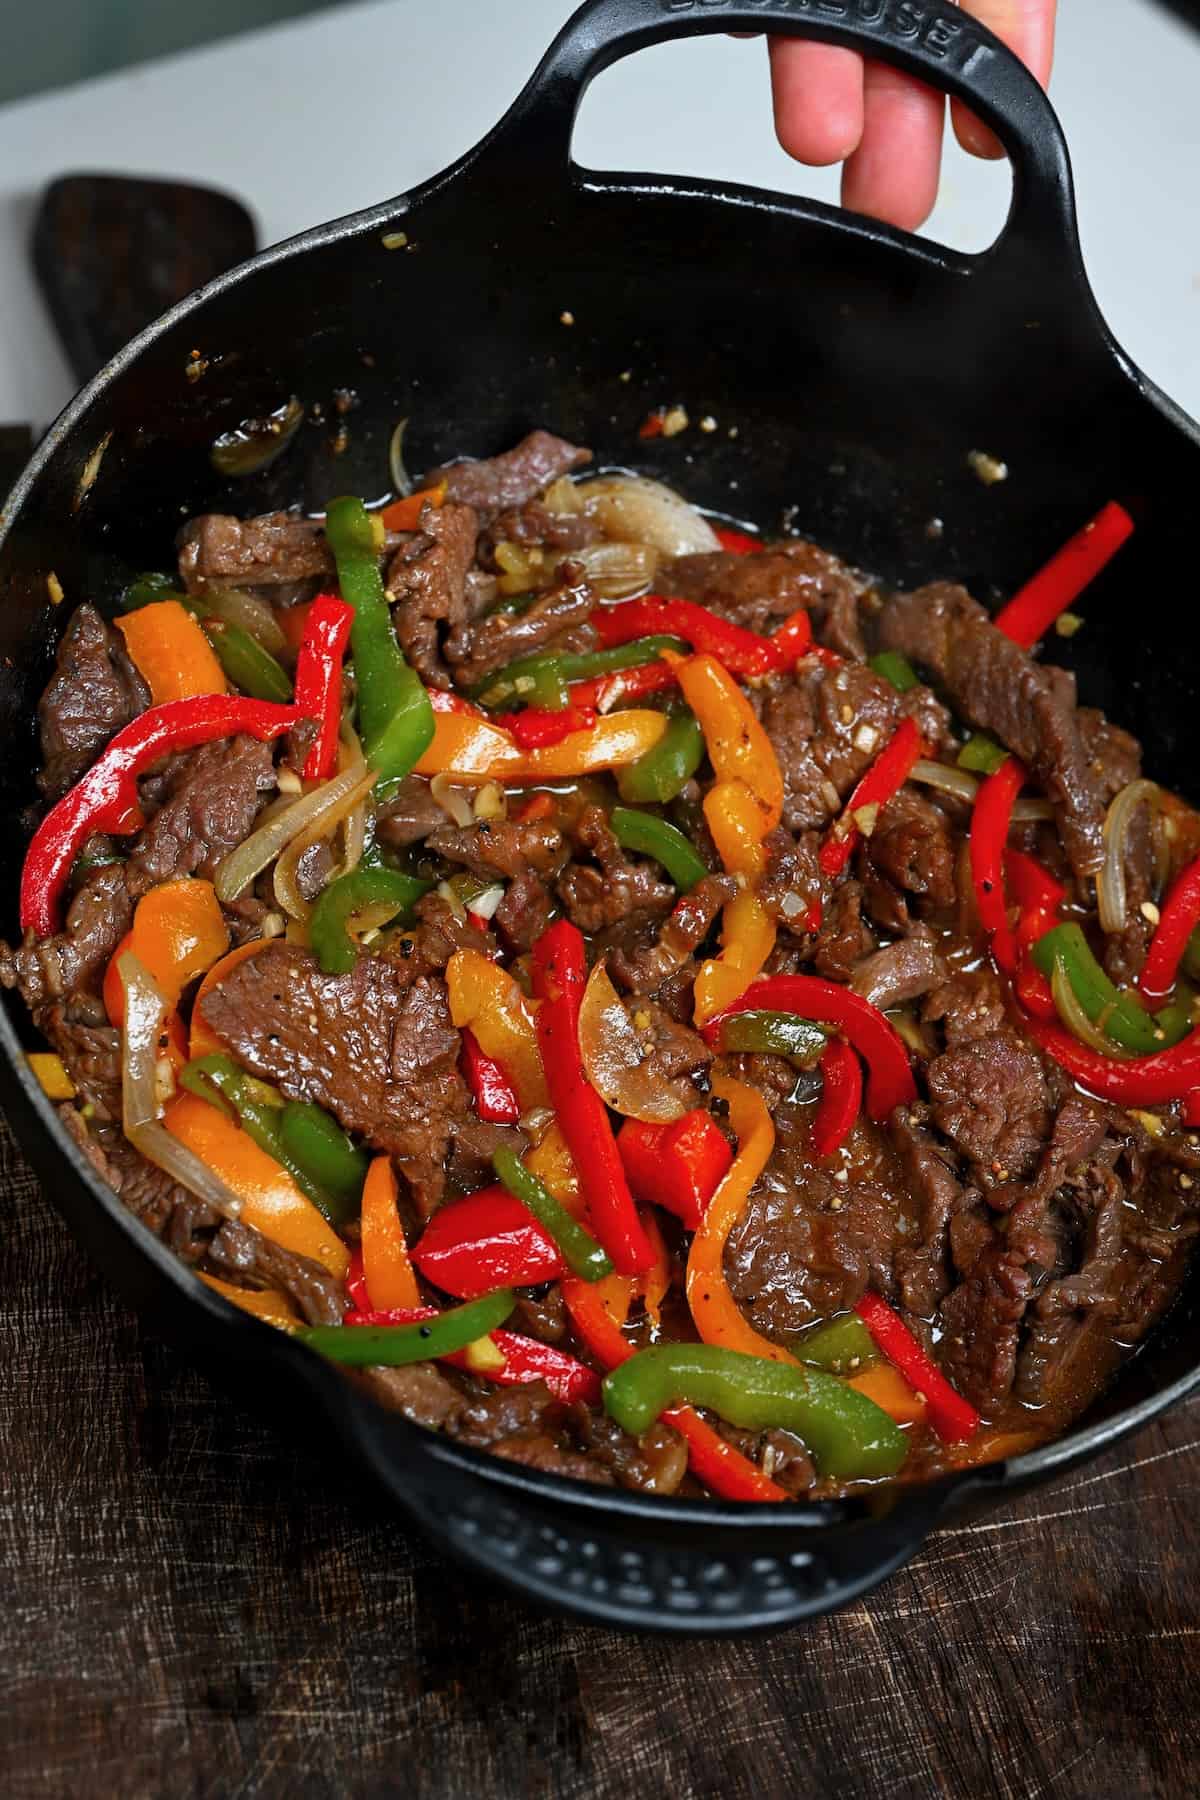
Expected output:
(794, 637)
(559, 972)
(106, 799)
(841, 1098)
(1179, 917)
(536, 729)
(486, 1241)
(525, 1359)
(889, 1076)
(1031, 886)
(356, 1282)
(679, 1166)
(1131, 1081)
(1031, 612)
(1191, 1107)
(722, 1468)
(602, 692)
(738, 543)
(886, 776)
(953, 1418)
(1040, 898)
(319, 679)
(493, 1093)
(742, 652)
(989, 835)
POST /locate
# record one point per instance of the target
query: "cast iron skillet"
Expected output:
(859, 366)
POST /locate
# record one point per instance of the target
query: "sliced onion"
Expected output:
(486, 905)
(145, 1011)
(354, 830)
(184, 1166)
(562, 496)
(452, 800)
(1110, 882)
(951, 781)
(636, 510)
(251, 857)
(251, 612)
(1071, 1012)
(615, 1058)
(1032, 812)
(401, 479)
(339, 797)
(617, 571)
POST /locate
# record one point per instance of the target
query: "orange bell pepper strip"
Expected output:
(735, 820)
(552, 1163)
(266, 1304)
(386, 1266)
(203, 1041)
(405, 514)
(170, 651)
(178, 932)
(713, 1308)
(888, 1389)
(473, 750)
(747, 938)
(488, 1000)
(654, 1283)
(271, 1201)
(738, 747)
(598, 1310)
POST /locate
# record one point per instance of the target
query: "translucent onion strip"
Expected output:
(354, 831)
(638, 511)
(619, 1063)
(251, 612)
(401, 480)
(145, 1010)
(1110, 882)
(339, 798)
(618, 571)
(251, 857)
(452, 800)
(963, 786)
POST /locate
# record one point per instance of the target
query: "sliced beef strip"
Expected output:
(992, 1098)
(921, 1263)
(217, 550)
(419, 1392)
(999, 687)
(1114, 755)
(902, 971)
(595, 898)
(792, 885)
(213, 801)
(409, 814)
(827, 727)
(673, 1051)
(525, 911)
(647, 966)
(512, 478)
(93, 692)
(1125, 950)
(488, 1418)
(760, 591)
(534, 523)
(655, 1463)
(480, 649)
(241, 1250)
(968, 1006)
(91, 1052)
(913, 845)
(845, 938)
(473, 1143)
(427, 578)
(502, 847)
(74, 959)
(375, 1047)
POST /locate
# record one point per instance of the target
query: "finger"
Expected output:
(818, 92)
(893, 174)
(1027, 27)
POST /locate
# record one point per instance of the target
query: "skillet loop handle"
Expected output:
(930, 39)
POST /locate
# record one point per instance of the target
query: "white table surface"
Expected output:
(311, 120)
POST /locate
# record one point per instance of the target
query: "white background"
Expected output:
(307, 121)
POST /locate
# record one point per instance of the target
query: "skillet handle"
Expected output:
(930, 39)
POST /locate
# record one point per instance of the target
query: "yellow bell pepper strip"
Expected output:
(179, 932)
(738, 747)
(170, 651)
(748, 938)
(552, 1163)
(470, 749)
(487, 1001)
(202, 1040)
(386, 1266)
(734, 818)
(271, 1201)
(51, 1074)
(713, 1308)
(266, 1304)
(887, 1387)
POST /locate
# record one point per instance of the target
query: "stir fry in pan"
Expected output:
(643, 998)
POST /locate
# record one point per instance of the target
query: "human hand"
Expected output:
(885, 126)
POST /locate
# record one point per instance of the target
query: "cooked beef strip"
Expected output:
(408, 815)
(525, 912)
(992, 1099)
(673, 1052)
(595, 898)
(792, 886)
(427, 578)
(534, 523)
(913, 845)
(242, 1250)
(828, 726)
(501, 847)
(844, 938)
(419, 1391)
(211, 807)
(74, 959)
(93, 692)
(1125, 951)
(512, 478)
(375, 1047)
(760, 591)
(998, 687)
(968, 1006)
(479, 650)
(901, 972)
(645, 967)
(921, 1265)
(655, 1463)
(217, 550)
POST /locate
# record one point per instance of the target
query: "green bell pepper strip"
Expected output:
(391, 1346)
(981, 754)
(258, 1110)
(895, 667)
(780, 1033)
(146, 589)
(581, 1252)
(328, 928)
(542, 680)
(316, 1143)
(655, 837)
(1119, 1016)
(660, 774)
(841, 1347)
(847, 1435)
(247, 664)
(393, 707)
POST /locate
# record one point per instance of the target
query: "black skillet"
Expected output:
(859, 366)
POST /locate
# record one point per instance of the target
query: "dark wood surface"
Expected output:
(194, 1607)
